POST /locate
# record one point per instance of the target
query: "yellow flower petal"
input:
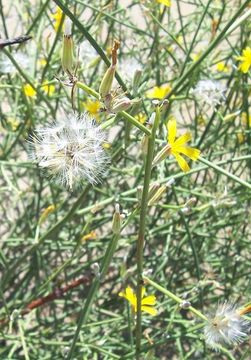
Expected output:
(92, 106)
(141, 117)
(182, 140)
(182, 162)
(146, 304)
(150, 310)
(165, 2)
(149, 300)
(143, 291)
(158, 92)
(244, 67)
(49, 89)
(129, 295)
(221, 67)
(29, 91)
(172, 130)
(192, 153)
(90, 236)
(246, 60)
(57, 17)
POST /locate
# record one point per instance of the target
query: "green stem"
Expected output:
(142, 225)
(93, 291)
(225, 172)
(136, 123)
(87, 89)
(23, 341)
(51, 232)
(174, 298)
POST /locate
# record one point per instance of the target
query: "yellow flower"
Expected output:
(106, 145)
(245, 59)
(178, 146)
(29, 91)
(46, 212)
(42, 62)
(90, 236)
(245, 119)
(165, 2)
(158, 92)
(141, 117)
(92, 106)
(57, 17)
(14, 123)
(49, 89)
(147, 303)
(221, 67)
(195, 56)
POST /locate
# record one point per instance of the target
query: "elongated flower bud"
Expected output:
(116, 221)
(106, 83)
(161, 155)
(155, 198)
(68, 48)
(153, 189)
(121, 105)
(136, 79)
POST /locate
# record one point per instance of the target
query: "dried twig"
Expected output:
(17, 40)
(56, 294)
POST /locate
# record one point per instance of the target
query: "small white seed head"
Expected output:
(71, 149)
(227, 326)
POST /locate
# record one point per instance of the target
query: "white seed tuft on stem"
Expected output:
(227, 326)
(72, 150)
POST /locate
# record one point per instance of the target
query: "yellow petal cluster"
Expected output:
(141, 117)
(221, 67)
(92, 106)
(90, 236)
(29, 91)
(158, 92)
(245, 59)
(57, 18)
(46, 212)
(178, 147)
(147, 302)
(49, 89)
(165, 2)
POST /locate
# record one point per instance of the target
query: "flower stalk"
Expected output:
(142, 226)
(174, 297)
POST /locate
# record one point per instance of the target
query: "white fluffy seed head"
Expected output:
(209, 91)
(227, 326)
(71, 150)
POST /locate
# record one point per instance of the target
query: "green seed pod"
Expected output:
(68, 49)
(106, 83)
(116, 221)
